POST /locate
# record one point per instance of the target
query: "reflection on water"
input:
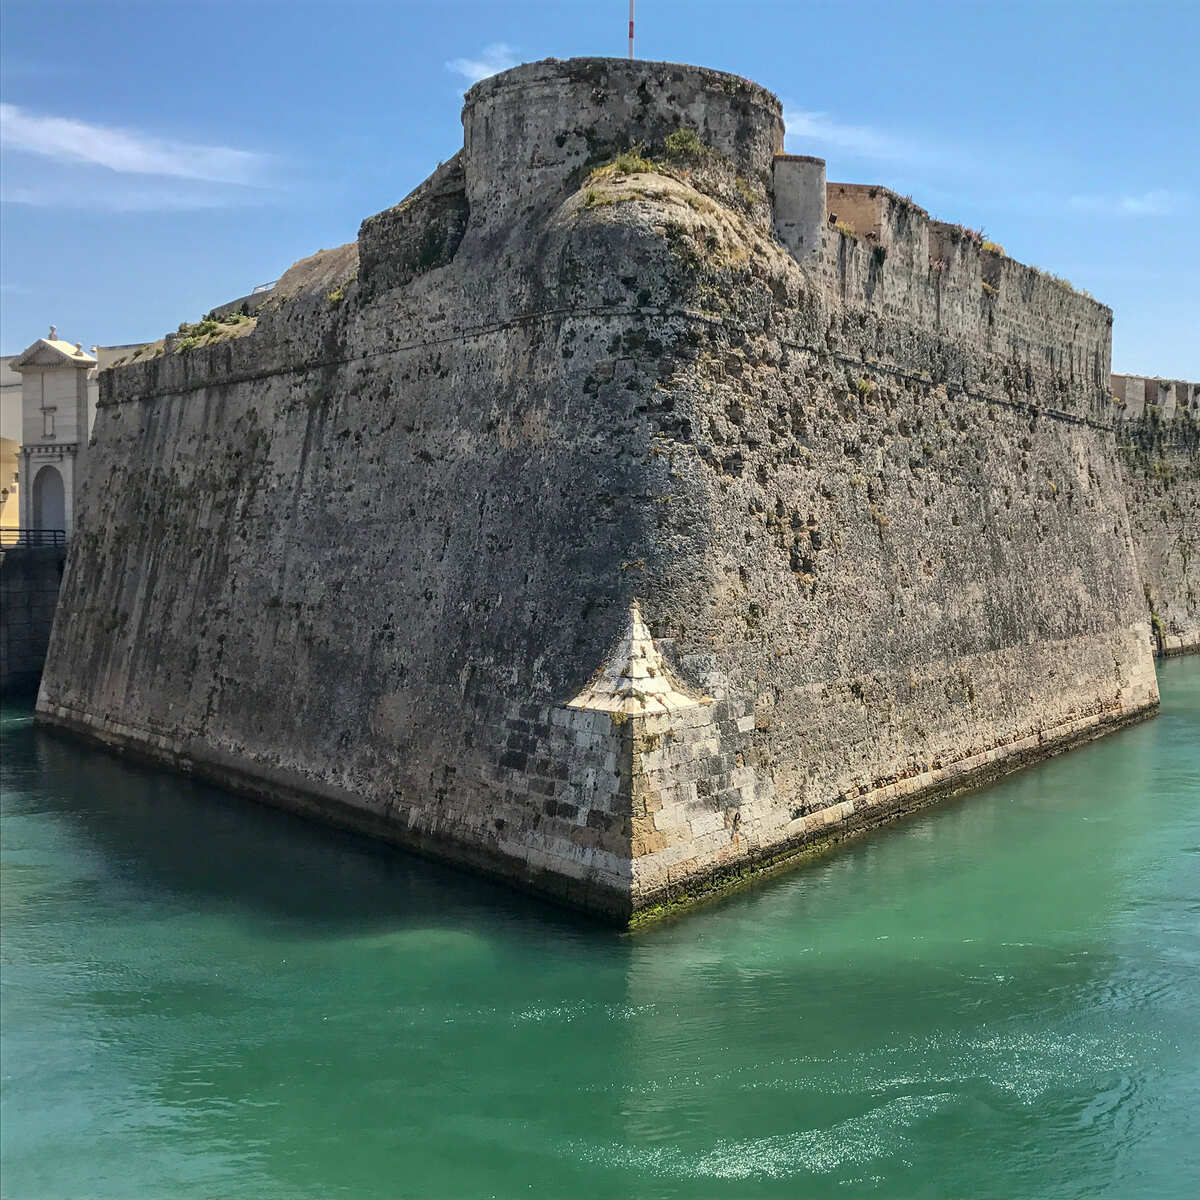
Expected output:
(995, 998)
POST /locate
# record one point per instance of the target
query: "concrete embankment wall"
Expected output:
(361, 561)
(29, 583)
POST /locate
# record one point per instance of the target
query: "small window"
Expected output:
(48, 422)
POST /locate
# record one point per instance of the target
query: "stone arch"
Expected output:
(49, 500)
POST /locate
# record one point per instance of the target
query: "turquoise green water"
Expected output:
(998, 998)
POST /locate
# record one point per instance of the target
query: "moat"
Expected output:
(994, 998)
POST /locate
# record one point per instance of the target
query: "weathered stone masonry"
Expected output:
(617, 369)
(1158, 435)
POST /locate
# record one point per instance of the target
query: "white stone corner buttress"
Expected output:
(635, 680)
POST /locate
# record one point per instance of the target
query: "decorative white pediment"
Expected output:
(45, 353)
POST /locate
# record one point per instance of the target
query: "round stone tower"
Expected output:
(530, 132)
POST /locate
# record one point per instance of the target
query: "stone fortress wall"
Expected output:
(877, 250)
(1157, 428)
(1137, 397)
(608, 519)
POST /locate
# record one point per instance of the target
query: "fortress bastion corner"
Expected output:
(628, 510)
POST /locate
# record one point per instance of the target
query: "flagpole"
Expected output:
(630, 28)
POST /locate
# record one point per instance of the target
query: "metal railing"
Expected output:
(11, 536)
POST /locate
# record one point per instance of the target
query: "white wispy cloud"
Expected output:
(497, 57)
(112, 194)
(125, 151)
(1158, 202)
(820, 130)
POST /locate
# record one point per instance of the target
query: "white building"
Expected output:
(47, 405)
(42, 423)
(10, 443)
(55, 423)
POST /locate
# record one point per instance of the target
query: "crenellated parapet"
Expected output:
(1136, 396)
(878, 252)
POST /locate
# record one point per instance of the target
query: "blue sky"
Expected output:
(164, 156)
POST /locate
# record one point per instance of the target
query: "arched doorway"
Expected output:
(49, 500)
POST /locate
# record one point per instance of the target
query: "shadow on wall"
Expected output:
(30, 577)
